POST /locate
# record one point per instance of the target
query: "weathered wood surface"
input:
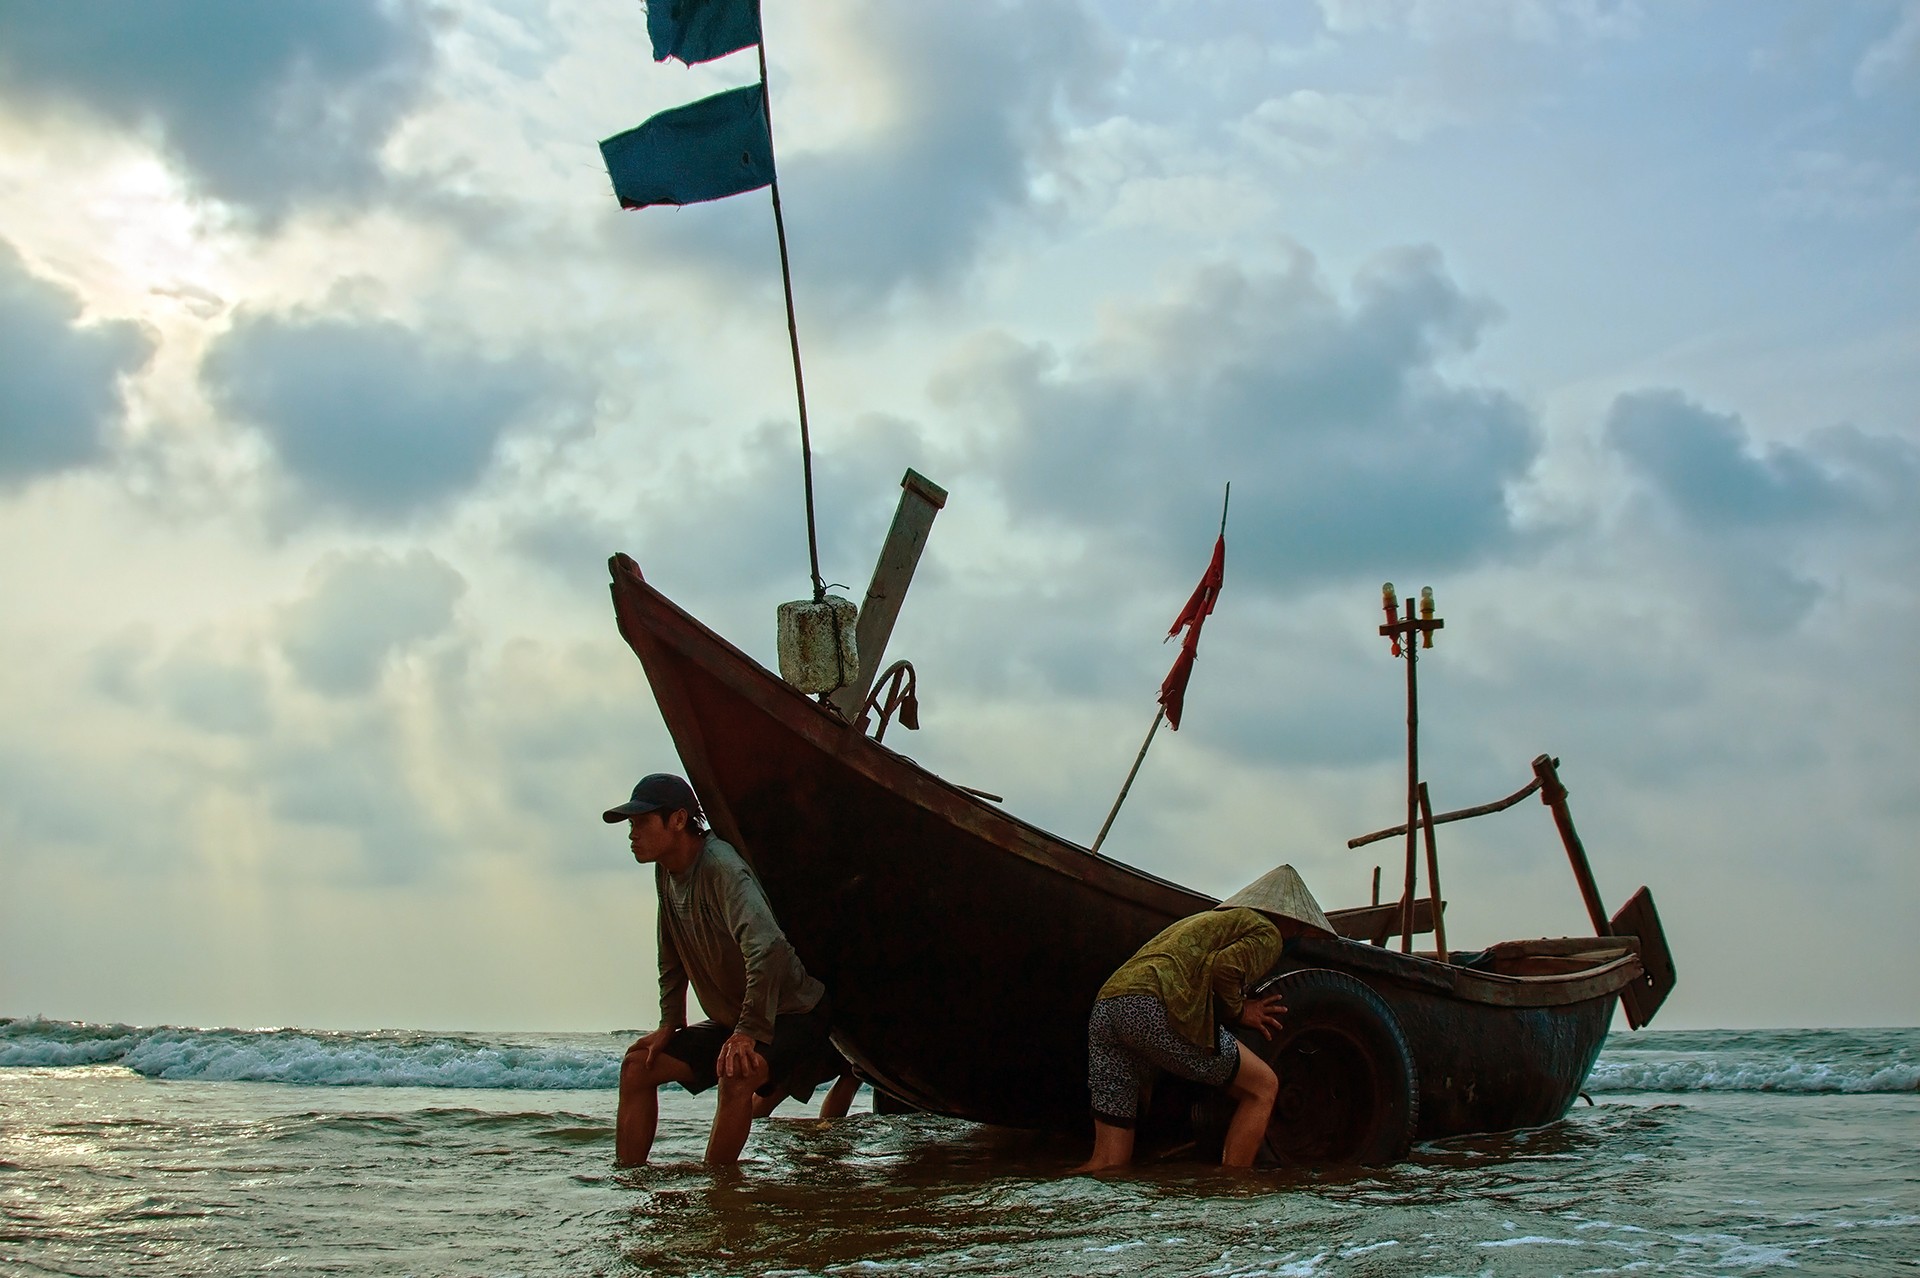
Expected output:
(1377, 924)
(964, 946)
(920, 500)
(1639, 921)
(1433, 874)
(1554, 795)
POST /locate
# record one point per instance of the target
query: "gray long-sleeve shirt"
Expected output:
(717, 929)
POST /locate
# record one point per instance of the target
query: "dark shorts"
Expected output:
(799, 1059)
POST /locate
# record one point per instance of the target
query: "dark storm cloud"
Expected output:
(364, 609)
(371, 418)
(60, 395)
(1349, 451)
(261, 104)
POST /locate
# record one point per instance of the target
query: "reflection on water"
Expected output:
(115, 1174)
(927, 1194)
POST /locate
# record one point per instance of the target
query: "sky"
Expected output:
(331, 373)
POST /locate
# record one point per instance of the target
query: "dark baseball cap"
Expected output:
(661, 791)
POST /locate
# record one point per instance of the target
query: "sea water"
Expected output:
(129, 1150)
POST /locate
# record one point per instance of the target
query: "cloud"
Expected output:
(1892, 61)
(1349, 450)
(60, 398)
(1307, 128)
(976, 96)
(363, 609)
(958, 110)
(361, 782)
(371, 419)
(262, 105)
(1708, 469)
(215, 694)
(1817, 185)
(1538, 21)
(1767, 530)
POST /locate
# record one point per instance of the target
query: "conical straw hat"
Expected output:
(1280, 892)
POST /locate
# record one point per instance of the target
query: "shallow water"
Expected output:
(1753, 1168)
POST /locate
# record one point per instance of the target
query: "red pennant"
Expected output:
(1199, 607)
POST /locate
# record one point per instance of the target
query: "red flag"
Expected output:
(1199, 607)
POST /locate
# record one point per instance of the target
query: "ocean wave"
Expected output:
(312, 1058)
(1806, 1062)
(1735, 1074)
(1784, 1061)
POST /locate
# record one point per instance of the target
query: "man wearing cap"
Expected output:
(1168, 1009)
(767, 1032)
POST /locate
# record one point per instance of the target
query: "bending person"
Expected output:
(767, 1032)
(1169, 1008)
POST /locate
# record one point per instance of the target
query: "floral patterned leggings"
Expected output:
(1129, 1042)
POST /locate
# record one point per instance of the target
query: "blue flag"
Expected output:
(707, 150)
(701, 30)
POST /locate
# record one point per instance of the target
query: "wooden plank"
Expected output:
(1433, 873)
(1565, 946)
(920, 500)
(1377, 923)
(1639, 920)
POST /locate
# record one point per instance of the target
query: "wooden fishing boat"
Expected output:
(963, 946)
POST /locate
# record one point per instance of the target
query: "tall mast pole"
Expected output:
(793, 328)
(1413, 785)
(1409, 636)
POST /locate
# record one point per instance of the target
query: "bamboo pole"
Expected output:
(1225, 500)
(1554, 795)
(1458, 814)
(1134, 771)
(1413, 782)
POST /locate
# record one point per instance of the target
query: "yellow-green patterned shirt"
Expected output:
(1218, 954)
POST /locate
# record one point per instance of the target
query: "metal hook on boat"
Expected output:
(897, 689)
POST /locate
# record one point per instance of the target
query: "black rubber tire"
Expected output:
(1349, 1091)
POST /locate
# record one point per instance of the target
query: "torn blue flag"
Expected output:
(706, 150)
(701, 30)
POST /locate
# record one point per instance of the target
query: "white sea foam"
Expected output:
(1797, 1061)
(1751, 1073)
(309, 1058)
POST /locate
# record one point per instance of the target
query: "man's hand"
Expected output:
(739, 1057)
(1262, 1015)
(650, 1044)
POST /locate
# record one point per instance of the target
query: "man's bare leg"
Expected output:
(1254, 1087)
(840, 1096)
(639, 1113)
(733, 1115)
(1112, 1147)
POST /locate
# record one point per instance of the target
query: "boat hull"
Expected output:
(964, 947)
